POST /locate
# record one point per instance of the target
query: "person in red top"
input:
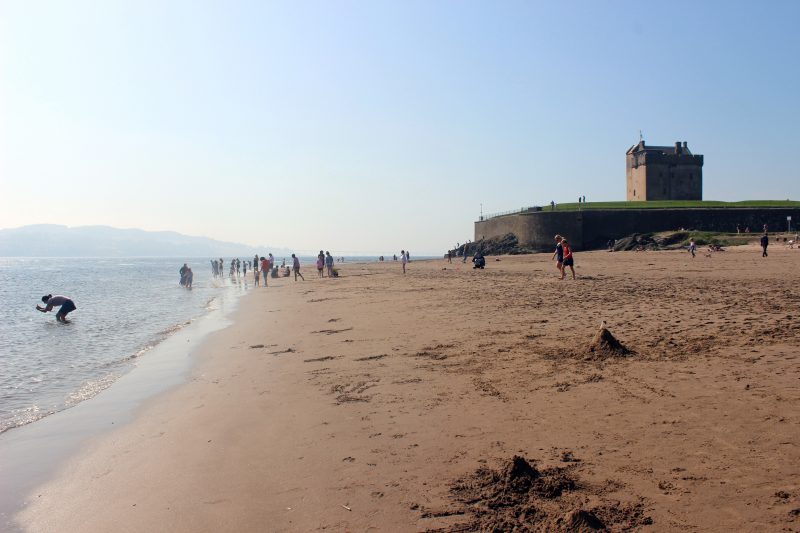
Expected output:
(265, 268)
(568, 260)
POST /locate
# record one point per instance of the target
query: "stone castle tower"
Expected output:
(663, 173)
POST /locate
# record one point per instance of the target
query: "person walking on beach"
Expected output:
(403, 259)
(568, 261)
(692, 247)
(66, 306)
(296, 267)
(449, 256)
(558, 255)
(244, 269)
(764, 244)
(255, 273)
(329, 263)
(271, 263)
(264, 269)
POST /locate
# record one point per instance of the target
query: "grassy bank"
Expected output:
(668, 204)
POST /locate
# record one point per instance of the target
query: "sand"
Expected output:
(451, 399)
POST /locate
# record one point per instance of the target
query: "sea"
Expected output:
(125, 307)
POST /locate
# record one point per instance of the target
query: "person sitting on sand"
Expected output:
(66, 304)
(479, 260)
(568, 261)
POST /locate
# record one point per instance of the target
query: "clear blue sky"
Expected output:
(375, 126)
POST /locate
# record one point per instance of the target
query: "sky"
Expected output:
(367, 127)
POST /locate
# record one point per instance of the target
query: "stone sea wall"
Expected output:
(593, 228)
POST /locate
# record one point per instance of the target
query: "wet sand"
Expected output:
(385, 402)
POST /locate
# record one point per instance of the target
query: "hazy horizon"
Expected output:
(374, 127)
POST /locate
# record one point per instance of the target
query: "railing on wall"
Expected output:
(512, 212)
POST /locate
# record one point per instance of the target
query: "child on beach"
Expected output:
(558, 255)
(568, 261)
(320, 265)
(296, 267)
(66, 304)
(692, 247)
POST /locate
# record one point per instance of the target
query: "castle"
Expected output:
(663, 173)
(653, 173)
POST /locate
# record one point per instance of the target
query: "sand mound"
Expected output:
(605, 344)
(517, 496)
(580, 520)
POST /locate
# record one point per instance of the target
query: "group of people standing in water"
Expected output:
(263, 267)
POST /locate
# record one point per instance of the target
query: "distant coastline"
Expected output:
(51, 240)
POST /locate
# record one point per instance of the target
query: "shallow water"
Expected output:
(125, 307)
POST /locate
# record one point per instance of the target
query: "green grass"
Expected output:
(669, 204)
(723, 239)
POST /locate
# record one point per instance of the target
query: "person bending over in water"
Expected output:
(67, 306)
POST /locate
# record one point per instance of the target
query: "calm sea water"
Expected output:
(125, 307)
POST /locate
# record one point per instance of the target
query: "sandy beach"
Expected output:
(387, 402)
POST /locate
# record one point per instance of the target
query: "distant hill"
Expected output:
(50, 240)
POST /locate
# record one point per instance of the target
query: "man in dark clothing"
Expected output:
(764, 244)
(66, 306)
